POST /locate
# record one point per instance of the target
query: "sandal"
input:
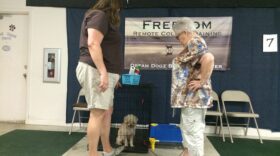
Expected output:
(185, 151)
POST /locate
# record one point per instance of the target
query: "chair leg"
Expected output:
(247, 126)
(79, 114)
(73, 118)
(221, 125)
(222, 129)
(229, 129)
(258, 130)
(216, 125)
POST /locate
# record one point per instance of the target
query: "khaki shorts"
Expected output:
(192, 127)
(89, 79)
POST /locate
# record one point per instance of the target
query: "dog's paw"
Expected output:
(118, 143)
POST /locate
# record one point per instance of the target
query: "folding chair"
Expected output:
(239, 97)
(217, 113)
(78, 107)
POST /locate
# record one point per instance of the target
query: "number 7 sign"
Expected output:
(270, 43)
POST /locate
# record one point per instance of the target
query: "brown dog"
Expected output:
(127, 130)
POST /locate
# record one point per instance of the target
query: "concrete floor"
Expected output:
(80, 148)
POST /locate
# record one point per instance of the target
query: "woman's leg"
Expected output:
(105, 133)
(94, 130)
(108, 98)
(183, 131)
(192, 127)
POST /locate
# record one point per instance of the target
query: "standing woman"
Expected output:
(99, 68)
(191, 85)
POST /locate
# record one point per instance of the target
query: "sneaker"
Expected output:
(115, 151)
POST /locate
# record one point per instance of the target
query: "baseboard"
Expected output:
(46, 122)
(13, 121)
(239, 131)
(77, 124)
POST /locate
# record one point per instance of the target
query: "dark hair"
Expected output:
(111, 8)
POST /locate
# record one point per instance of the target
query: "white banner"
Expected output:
(150, 42)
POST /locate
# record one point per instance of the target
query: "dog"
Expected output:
(127, 131)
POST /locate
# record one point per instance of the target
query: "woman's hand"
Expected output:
(104, 82)
(194, 85)
(118, 85)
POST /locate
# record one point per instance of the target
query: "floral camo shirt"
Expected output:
(186, 67)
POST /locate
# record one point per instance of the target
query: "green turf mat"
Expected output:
(37, 143)
(246, 147)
